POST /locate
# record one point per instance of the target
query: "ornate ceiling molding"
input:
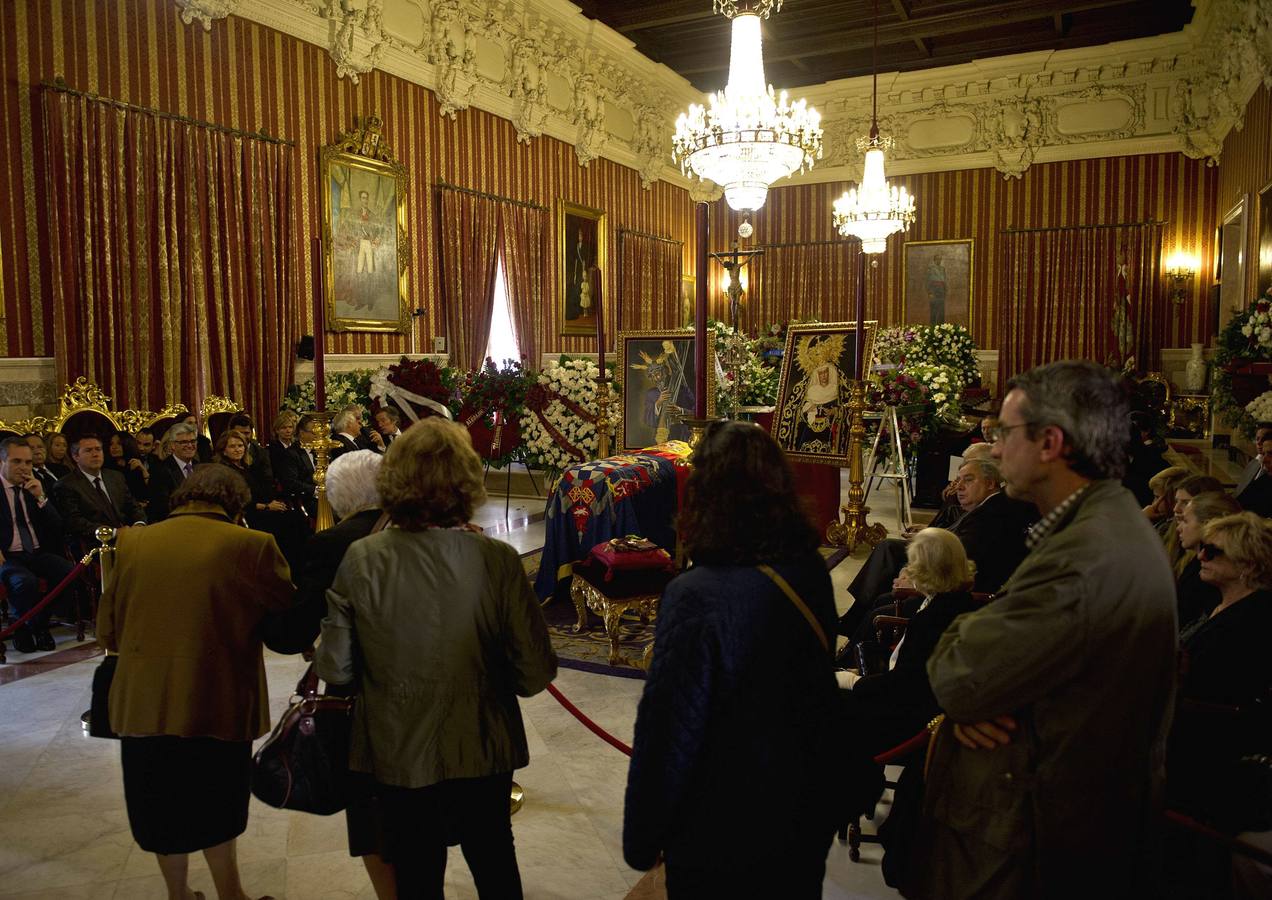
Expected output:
(550, 70)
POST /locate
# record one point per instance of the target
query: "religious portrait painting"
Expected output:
(366, 251)
(658, 379)
(1265, 245)
(580, 266)
(937, 285)
(818, 366)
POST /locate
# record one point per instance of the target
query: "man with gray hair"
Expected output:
(1047, 783)
(171, 473)
(354, 499)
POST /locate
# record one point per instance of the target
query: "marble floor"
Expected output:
(64, 832)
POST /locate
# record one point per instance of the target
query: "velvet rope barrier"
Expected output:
(49, 597)
(588, 723)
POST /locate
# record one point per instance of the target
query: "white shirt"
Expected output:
(15, 545)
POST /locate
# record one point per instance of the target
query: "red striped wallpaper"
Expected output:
(979, 204)
(1246, 168)
(243, 75)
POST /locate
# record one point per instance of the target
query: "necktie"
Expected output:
(20, 520)
(189, 467)
(114, 516)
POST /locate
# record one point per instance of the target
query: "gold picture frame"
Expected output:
(643, 358)
(815, 428)
(365, 233)
(580, 266)
(926, 276)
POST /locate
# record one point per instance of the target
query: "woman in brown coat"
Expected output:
(183, 610)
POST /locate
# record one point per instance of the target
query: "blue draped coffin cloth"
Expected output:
(608, 498)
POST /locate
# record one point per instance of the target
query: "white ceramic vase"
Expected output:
(1195, 372)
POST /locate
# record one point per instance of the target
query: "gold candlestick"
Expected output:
(697, 427)
(319, 440)
(854, 529)
(602, 416)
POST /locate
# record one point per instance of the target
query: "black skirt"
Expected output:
(185, 794)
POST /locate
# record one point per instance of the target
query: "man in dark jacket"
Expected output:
(30, 542)
(91, 496)
(1257, 497)
(1058, 692)
(169, 474)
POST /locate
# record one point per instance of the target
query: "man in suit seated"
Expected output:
(1257, 496)
(30, 542)
(39, 456)
(347, 430)
(993, 530)
(1254, 467)
(169, 474)
(91, 496)
(388, 423)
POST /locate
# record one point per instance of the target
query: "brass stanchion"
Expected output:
(602, 417)
(318, 439)
(106, 559)
(854, 529)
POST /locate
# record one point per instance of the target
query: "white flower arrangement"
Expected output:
(343, 389)
(1258, 328)
(1260, 408)
(575, 380)
(936, 345)
(759, 381)
(944, 385)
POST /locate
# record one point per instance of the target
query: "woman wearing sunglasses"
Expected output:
(1196, 598)
(1225, 667)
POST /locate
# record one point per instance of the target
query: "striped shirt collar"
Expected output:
(1047, 523)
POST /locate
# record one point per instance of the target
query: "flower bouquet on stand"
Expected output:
(558, 425)
(1243, 367)
(418, 389)
(492, 409)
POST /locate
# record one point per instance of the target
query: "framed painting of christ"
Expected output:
(658, 376)
(366, 251)
(937, 284)
(811, 419)
(580, 266)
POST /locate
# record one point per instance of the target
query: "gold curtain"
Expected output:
(801, 281)
(649, 283)
(521, 234)
(469, 229)
(171, 254)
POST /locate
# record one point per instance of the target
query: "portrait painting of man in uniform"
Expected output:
(938, 282)
(580, 266)
(818, 365)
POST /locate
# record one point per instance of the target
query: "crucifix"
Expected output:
(734, 261)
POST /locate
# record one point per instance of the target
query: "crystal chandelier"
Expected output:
(748, 137)
(874, 209)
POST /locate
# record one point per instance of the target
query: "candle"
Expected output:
(600, 330)
(700, 316)
(320, 384)
(859, 339)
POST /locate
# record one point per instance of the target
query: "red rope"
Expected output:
(588, 723)
(897, 752)
(48, 598)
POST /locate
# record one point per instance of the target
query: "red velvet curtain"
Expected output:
(521, 234)
(1082, 293)
(801, 281)
(649, 291)
(469, 229)
(172, 249)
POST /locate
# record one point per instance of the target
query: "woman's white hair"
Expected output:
(351, 482)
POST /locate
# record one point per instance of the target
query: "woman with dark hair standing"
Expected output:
(734, 755)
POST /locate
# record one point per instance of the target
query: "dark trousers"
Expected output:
(475, 813)
(21, 573)
(790, 879)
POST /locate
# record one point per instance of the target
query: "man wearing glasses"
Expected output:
(167, 476)
(1044, 781)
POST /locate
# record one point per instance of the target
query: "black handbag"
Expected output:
(99, 708)
(304, 764)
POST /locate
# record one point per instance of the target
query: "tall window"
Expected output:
(503, 335)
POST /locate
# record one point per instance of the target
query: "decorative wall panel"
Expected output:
(1247, 169)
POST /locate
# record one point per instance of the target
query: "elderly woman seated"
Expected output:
(1225, 679)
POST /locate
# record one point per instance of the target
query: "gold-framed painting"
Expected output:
(688, 298)
(937, 282)
(581, 258)
(818, 363)
(658, 377)
(1263, 282)
(365, 233)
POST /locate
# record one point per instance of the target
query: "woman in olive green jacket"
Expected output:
(440, 629)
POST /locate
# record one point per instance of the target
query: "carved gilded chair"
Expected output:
(216, 413)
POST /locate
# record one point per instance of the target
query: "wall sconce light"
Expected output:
(1180, 271)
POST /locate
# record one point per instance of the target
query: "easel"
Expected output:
(499, 421)
(894, 468)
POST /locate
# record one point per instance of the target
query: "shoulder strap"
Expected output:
(807, 613)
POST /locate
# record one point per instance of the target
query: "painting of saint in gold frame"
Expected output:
(367, 259)
(658, 378)
(580, 266)
(811, 419)
(937, 284)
